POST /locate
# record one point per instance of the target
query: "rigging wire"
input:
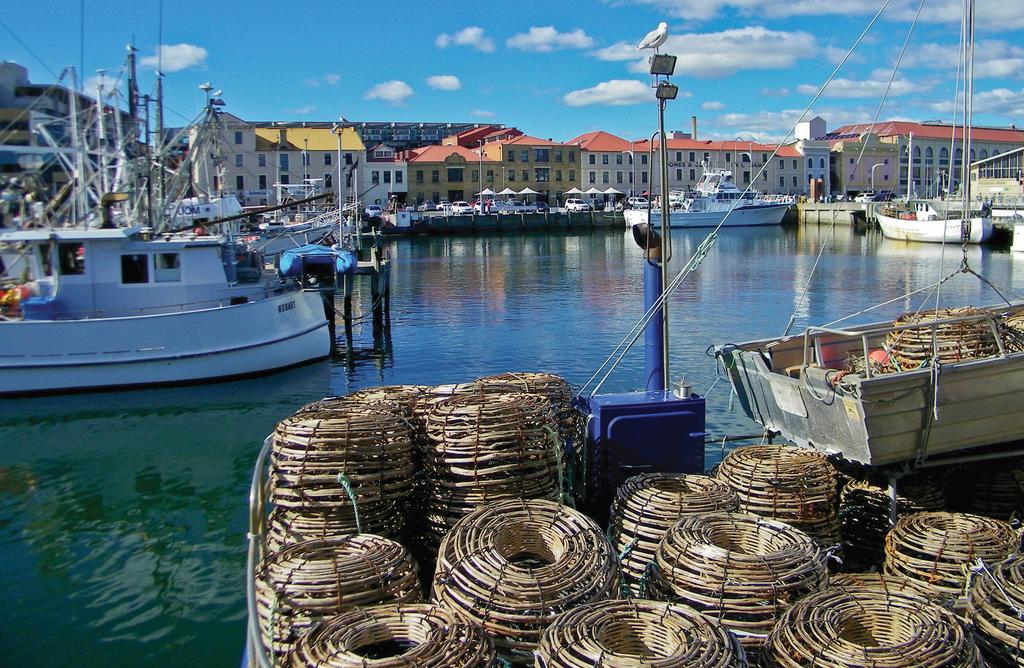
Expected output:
(952, 144)
(29, 49)
(624, 346)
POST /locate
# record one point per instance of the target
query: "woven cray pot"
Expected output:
(634, 633)
(394, 636)
(290, 526)
(864, 510)
(740, 569)
(997, 610)
(486, 448)
(952, 342)
(304, 583)
(869, 627)
(514, 566)
(995, 489)
(554, 388)
(647, 505)
(880, 581)
(935, 549)
(796, 485)
(1013, 332)
(320, 460)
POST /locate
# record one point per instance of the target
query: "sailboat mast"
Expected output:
(968, 104)
(159, 141)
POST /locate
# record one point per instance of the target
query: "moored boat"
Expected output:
(925, 223)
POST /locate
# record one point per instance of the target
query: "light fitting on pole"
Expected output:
(666, 91)
(663, 64)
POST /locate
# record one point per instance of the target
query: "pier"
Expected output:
(409, 222)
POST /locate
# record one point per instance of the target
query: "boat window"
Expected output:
(135, 268)
(72, 259)
(167, 267)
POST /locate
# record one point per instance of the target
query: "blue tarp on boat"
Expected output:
(294, 260)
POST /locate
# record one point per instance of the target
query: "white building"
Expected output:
(386, 177)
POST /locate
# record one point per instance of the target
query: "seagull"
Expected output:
(655, 38)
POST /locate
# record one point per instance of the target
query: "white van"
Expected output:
(576, 205)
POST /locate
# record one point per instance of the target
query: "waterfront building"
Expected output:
(606, 161)
(474, 137)
(999, 177)
(929, 153)
(387, 174)
(543, 165)
(255, 156)
(450, 173)
(877, 167)
(405, 135)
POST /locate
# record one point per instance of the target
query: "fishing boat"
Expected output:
(716, 198)
(925, 222)
(120, 307)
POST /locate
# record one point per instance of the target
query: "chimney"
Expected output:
(693, 127)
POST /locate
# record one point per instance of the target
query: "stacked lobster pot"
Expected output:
(795, 485)
(997, 610)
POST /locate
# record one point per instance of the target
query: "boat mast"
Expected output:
(965, 161)
(79, 172)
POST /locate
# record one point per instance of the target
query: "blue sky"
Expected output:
(553, 68)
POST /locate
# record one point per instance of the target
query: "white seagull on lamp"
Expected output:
(655, 38)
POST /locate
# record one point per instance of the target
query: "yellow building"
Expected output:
(450, 173)
(876, 170)
(548, 167)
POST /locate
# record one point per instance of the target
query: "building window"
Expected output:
(693, 174)
(593, 177)
(618, 159)
(305, 159)
(593, 159)
(261, 159)
(558, 156)
(398, 177)
(167, 267)
(764, 175)
(419, 176)
(782, 182)
(541, 155)
(679, 156)
(679, 175)
(511, 175)
(821, 163)
(526, 175)
(283, 161)
(795, 182)
(134, 269)
(604, 177)
(707, 157)
(693, 158)
(238, 160)
(764, 158)
(572, 156)
(782, 163)
(455, 174)
(643, 158)
(558, 175)
(476, 176)
(512, 156)
(327, 158)
(238, 137)
(435, 176)
(436, 197)
(810, 163)
(239, 183)
(328, 180)
(490, 176)
(631, 177)
(618, 177)
(285, 179)
(728, 157)
(794, 164)
(746, 177)
(524, 155)
(541, 174)
(604, 158)
(572, 174)
(387, 176)
(263, 181)
(643, 177)
(375, 176)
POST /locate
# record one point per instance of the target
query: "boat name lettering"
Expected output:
(287, 306)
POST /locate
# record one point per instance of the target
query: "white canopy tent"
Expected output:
(613, 191)
(528, 191)
(486, 192)
(508, 191)
(574, 191)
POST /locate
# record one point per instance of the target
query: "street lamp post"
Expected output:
(877, 164)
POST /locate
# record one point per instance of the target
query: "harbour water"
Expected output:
(123, 515)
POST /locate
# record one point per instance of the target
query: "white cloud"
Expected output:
(712, 105)
(92, 84)
(332, 79)
(547, 38)
(776, 124)
(999, 102)
(444, 82)
(482, 113)
(470, 36)
(993, 59)
(303, 110)
(615, 92)
(991, 14)
(874, 86)
(775, 92)
(329, 79)
(393, 91)
(835, 55)
(176, 57)
(719, 54)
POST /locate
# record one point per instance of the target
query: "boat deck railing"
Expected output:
(812, 338)
(255, 649)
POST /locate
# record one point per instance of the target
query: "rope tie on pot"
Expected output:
(486, 448)
(996, 608)
(795, 485)
(394, 636)
(933, 548)
(347, 486)
(515, 565)
(288, 526)
(633, 633)
(300, 584)
(740, 569)
(648, 504)
(865, 626)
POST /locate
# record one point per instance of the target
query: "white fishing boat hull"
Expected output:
(742, 216)
(934, 231)
(275, 332)
(883, 419)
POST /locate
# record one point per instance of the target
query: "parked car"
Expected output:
(461, 208)
(542, 207)
(866, 196)
(576, 205)
(373, 211)
(427, 206)
(638, 202)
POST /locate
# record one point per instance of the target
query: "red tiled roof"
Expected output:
(928, 130)
(600, 141)
(708, 145)
(435, 153)
(504, 131)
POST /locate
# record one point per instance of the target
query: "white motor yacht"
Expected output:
(714, 197)
(924, 222)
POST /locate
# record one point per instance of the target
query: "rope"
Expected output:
(346, 484)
